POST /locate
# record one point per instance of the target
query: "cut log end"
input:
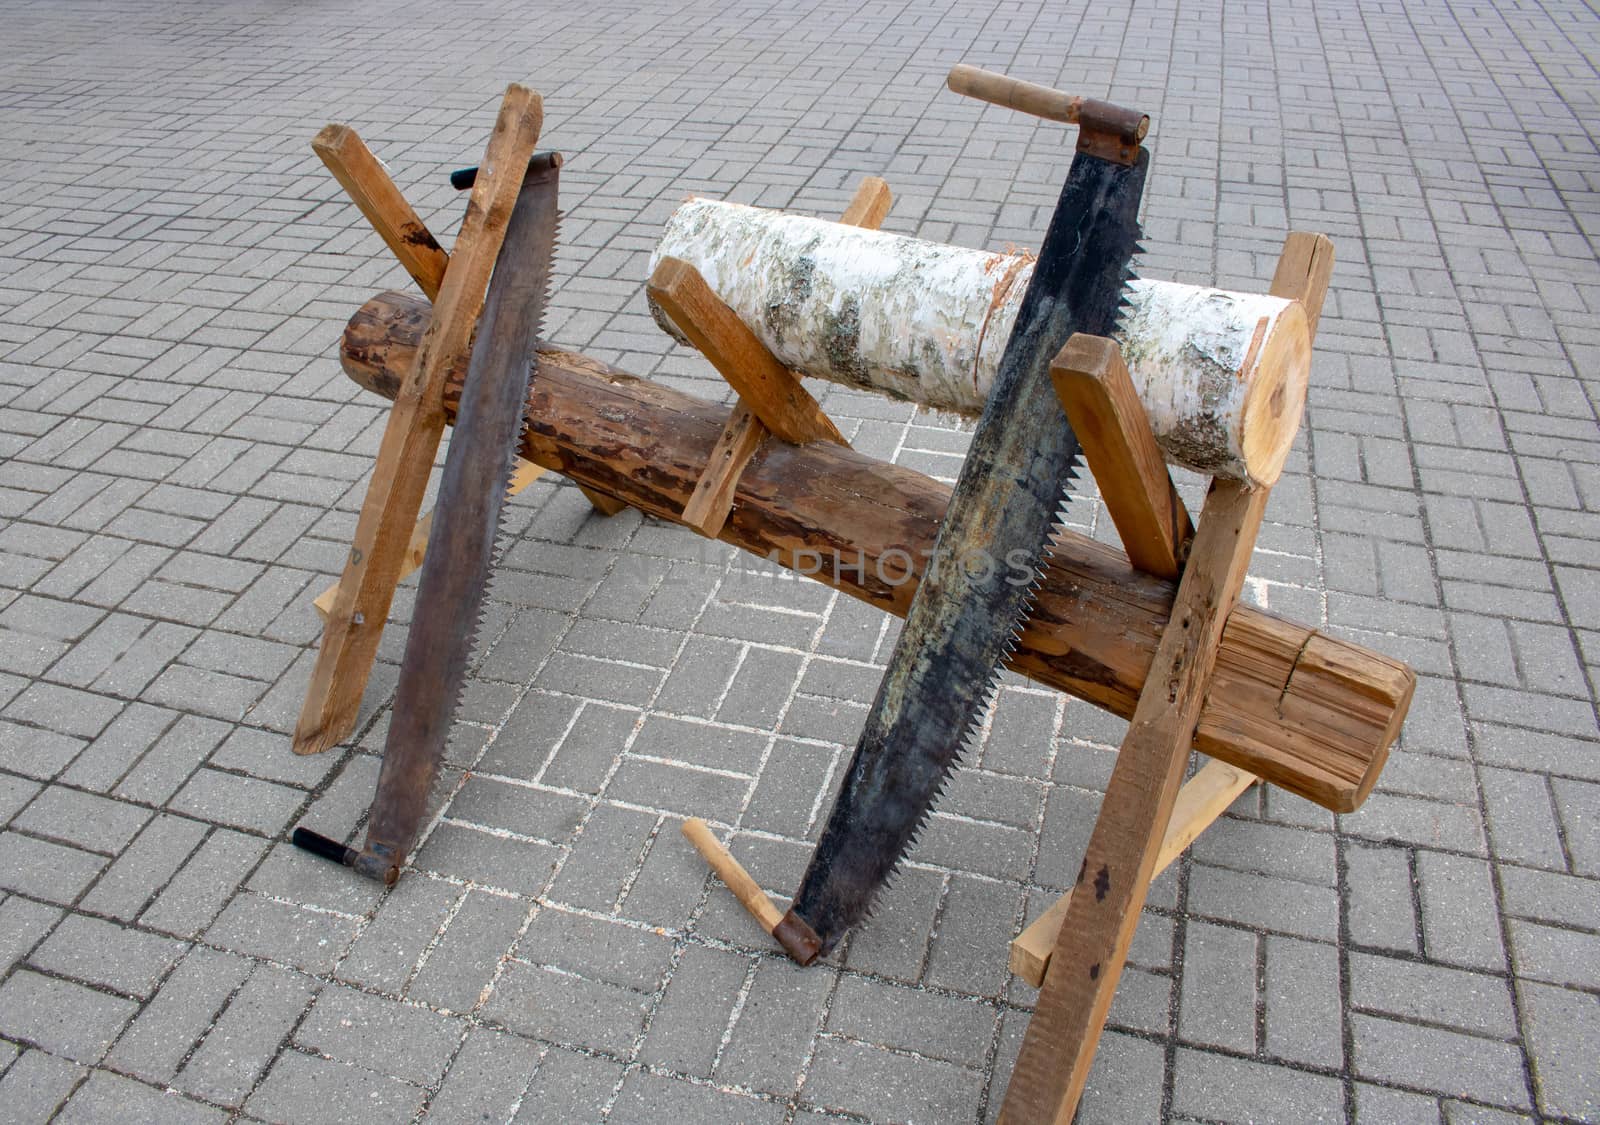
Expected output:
(1276, 399)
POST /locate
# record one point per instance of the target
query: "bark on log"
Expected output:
(1308, 712)
(1222, 375)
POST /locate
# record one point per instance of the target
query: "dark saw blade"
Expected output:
(462, 545)
(978, 586)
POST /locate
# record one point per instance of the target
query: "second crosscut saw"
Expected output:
(977, 592)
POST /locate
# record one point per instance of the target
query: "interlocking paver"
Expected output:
(181, 463)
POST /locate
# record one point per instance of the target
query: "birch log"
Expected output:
(1222, 375)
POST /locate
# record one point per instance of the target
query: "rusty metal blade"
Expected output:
(463, 544)
(978, 590)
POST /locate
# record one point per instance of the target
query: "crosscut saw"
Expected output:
(463, 543)
(977, 591)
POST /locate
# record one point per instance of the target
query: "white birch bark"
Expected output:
(1222, 375)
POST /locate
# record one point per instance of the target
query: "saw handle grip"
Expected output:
(732, 873)
(1126, 125)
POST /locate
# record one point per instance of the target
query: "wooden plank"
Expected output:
(601, 502)
(370, 188)
(1305, 267)
(411, 437)
(1093, 941)
(1203, 798)
(870, 206)
(522, 476)
(733, 874)
(771, 389)
(1310, 713)
(712, 499)
(1105, 412)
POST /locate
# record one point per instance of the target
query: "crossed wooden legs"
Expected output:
(390, 540)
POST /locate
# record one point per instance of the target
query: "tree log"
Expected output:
(1222, 375)
(1308, 712)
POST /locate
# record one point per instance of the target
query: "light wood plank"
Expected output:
(712, 499)
(1305, 266)
(771, 389)
(411, 437)
(1093, 941)
(871, 204)
(1110, 422)
(1203, 798)
(369, 187)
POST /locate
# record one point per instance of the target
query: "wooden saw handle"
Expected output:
(1128, 125)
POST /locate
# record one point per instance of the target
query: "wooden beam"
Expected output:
(522, 476)
(1311, 713)
(1305, 267)
(870, 205)
(1093, 941)
(411, 437)
(771, 389)
(1109, 420)
(1203, 798)
(375, 194)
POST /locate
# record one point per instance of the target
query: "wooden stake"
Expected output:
(370, 188)
(1105, 412)
(870, 206)
(733, 874)
(1203, 798)
(411, 437)
(712, 499)
(1093, 943)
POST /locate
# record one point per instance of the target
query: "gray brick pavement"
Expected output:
(183, 462)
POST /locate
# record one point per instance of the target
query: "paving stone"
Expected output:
(859, 1078)
(1219, 1087)
(775, 1028)
(144, 866)
(925, 1023)
(1432, 993)
(64, 1018)
(1458, 911)
(486, 1079)
(304, 1086)
(308, 940)
(388, 1036)
(1218, 1005)
(686, 1028)
(1445, 1062)
(648, 1097)
(562, 1008)
(459, 968)
(167, 1029)
(103, 953)
(247, 1036)
(108, 1096)
(1561, 1025)
(53, 872)
(37, 1083)
(197, 893)
(569, 1086)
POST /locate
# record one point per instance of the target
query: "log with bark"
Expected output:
(1311, 713)
(1222, 375)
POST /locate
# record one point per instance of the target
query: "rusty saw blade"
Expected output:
(462, 546)
(977, 590)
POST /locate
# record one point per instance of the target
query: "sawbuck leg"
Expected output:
(1137, 831)
(416, 423)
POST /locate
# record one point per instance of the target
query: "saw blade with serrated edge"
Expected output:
(977, 589)
(463, 543)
